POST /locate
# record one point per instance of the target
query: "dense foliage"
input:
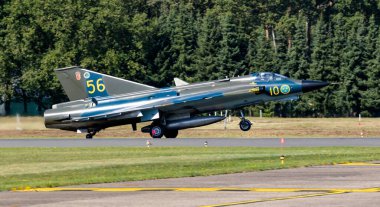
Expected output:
(153, 41)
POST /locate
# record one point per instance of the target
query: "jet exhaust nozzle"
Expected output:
(50, 118)
(193, 122)
(311, 85)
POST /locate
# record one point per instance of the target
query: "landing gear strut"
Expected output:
(244, 124)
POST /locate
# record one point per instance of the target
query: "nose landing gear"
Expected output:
(90, 134)
(245, 124)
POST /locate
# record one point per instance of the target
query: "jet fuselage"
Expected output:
(175, 105)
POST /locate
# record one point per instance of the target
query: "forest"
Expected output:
(153, 41)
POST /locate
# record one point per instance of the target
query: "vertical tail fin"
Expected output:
(80, 83)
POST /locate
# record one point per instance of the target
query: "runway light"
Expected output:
(206, 144)
(282, 158)
(148, 143)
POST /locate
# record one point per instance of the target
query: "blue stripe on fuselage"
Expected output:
(151, 96)
(160, 94)
(197, 97)
(113, 102)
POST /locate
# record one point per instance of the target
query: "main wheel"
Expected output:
(171, 133)
(156, 131)
(245, 125)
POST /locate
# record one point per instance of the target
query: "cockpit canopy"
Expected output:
(268, 76)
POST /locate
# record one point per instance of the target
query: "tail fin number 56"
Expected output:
(99, 86)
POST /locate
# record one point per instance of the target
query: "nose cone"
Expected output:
(311, 85)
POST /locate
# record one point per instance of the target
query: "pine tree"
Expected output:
(370, 98)
(177, 37)
(320, 68)
(298, 56)
(208, 43)
(335, 92)
(264, 58)
(354, 64)
(298, 63)
(184, 40)
(229, 58)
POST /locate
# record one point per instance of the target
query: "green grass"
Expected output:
(49, 167)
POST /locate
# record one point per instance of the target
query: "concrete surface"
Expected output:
(338, 185)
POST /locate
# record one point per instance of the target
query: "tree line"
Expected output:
(153, 41)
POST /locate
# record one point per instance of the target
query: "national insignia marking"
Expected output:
(285, 89)
(77, 75)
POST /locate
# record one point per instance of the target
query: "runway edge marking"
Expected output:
(215, 189)
(359, 164)
(274, 199)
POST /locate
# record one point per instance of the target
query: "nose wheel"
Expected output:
(245, 124)
(90, 135)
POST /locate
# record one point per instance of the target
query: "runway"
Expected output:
(354, 184)
(192, 142)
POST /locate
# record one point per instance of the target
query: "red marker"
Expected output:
(77, 75)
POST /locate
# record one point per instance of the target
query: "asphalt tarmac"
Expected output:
(356, 184)
(191, 142)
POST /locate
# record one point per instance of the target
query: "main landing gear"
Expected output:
(171, 133)
(245, 124)
(157, 131)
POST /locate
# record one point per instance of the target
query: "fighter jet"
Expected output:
(98, 101)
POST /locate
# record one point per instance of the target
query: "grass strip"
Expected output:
(51, 167)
